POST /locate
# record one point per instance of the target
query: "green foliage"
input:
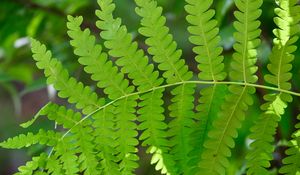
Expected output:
(279, 67)
(101, 134)
(58, 76)
(32, 165)
(166, 54)
(205, 36)
(49, 138)
(220, 141)
(291, 162)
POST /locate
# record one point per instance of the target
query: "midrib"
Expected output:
(220, 141)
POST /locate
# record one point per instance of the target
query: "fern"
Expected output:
(94, 59)
(279, 67)
(163, 49)
(204, 33)
(214, 157)
(135, 63)
(48, 138)
(32, 165)
(259, 157)
(291, 163)
(209, 105)
(68, 87)
(101, 136)
(53, 166)
(114, 85)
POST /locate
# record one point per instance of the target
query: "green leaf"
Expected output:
(30, 122)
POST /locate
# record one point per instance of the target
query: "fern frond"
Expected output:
(53, 165)
(154, 134)
(114, 85)
(86, 94)
(126, 133)
(68, 87)
(49, 138)
(204, 34)
(31, 166)
(124, 128)
(247, 40)
(262, 134)
(279, 67)
(36, 116)
(61, 115)
(105, 140)
(286, 34)
(85, 146)
(291, 162)
(83, 138)
(102, 137)
(160, 42)
(221, 137)
(83, 135)
(180, 128)
(66, 151)
(112, 127)
(166, 54)
(96, 62)
(210, 103)
(134, 62)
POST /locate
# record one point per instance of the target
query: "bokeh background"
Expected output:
(23, 90)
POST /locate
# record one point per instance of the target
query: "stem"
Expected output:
(176, 84)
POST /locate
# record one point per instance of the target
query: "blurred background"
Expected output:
(23, 90)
